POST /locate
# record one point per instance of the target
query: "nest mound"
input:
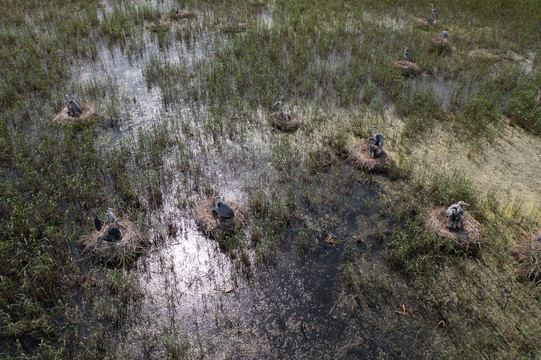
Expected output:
(467, 239)
(440, 44)
(234, 28)
(408, 68)
(485, 55)
(362, 159)
(211, 224)
(182, 15)
(152, 26)
(424, 24)
(528, 252)
(291, 125)
(62, 117)
(117, 252)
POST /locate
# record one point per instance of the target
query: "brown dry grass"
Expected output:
(528, 252)
(62, 117)
(408, 68)
(423, 23)
(485, 55)
(151, 25)
(468, 239)
(360, 156)
(233, 28)
(182, 15)
(287, 126)
(440, 44)
(131, 244)
(210, 223)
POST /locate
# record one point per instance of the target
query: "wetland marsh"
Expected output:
(328, 261)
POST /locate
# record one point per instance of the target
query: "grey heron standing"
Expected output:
(454, 215)
(277, 105)
(433, 9)
(375, 141)
(73, 108)
(407, 54)
(156, 21)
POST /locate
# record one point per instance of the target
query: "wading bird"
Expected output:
(97, 221)
(433, 9)
(375, 142)
(454, 215)
(114, 234)
(445, 34)
(109, 216)
(407, 54)
(73, 108)
(277, 105)
(223, 209)
(156, 21)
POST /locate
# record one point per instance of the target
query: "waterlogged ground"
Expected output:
(322, 289)
(330, 262)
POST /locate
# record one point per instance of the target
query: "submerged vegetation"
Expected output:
(210, 133)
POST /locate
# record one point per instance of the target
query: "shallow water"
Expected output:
(295, 306)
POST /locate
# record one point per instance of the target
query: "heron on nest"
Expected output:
(454, 215)
(222, 209)
(407, 54)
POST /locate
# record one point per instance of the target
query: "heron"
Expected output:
(73, 107)
(156, 21)
(375, 143)
(109, 216)
(407, 54)
(378, 138)
(176, 11)
(97, 221)
(433, 9)
(445, 34)
(114, 234)
(223, 209)
(454, 215)
(277, 105)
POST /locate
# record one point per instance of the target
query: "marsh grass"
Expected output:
(322, 56)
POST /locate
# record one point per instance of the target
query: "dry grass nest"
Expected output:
(182, 15)
(210, 224)
(360, 156)
(234, 28)
(119, 252)
(528, 252)
(151, 25)
(468, 239)
(285, 125)
(440, 45)
(407, 67)
(424, 24)
(485, 56)
(62, 117)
